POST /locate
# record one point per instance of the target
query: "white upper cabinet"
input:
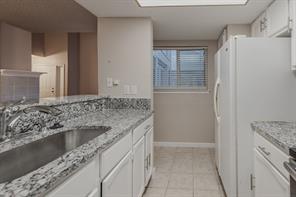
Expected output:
(277, 15)
(293, 33)
(258, 27)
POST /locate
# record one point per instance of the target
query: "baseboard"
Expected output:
(185, 144)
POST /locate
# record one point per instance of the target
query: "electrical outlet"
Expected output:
(126, 89)
(134, 89)
(109, 82)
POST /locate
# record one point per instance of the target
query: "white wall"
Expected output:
(186, 117)
(125, 53)
(15, 48)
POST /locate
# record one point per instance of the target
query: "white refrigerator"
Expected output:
(254, 82)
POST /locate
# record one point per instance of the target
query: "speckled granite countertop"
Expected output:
(281, 134)
(40, 181)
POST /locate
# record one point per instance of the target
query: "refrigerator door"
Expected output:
(227, 170)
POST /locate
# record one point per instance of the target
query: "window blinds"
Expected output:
(180, 68)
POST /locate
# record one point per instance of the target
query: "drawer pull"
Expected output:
(264, 150)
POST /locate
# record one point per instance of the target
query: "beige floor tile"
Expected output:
(159, 180)
(206, 182)
(208, 193)
(181, 181)
(201, 151)
(183, 156)
(203, 166)
(155, 192)
(179, 193)
(163, 164)
(182, 166)
(184, 150)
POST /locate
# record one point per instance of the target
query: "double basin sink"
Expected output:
(27, 158)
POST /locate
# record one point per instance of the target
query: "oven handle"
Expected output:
(290, 169)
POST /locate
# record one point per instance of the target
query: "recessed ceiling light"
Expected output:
(167, 3)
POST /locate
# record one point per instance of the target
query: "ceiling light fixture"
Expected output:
(176, 3)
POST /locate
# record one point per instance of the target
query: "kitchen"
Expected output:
(153, 98)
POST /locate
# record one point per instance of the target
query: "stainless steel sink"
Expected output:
(24, 159)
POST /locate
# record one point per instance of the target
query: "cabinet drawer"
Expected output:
(142, 129)
(111, 157)
(73, 185)
(272, 153)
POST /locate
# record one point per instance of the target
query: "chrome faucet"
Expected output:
(9, 116)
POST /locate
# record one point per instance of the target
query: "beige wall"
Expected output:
(88, 63)
(15, 48)
(186, 117)
(233, 30)
(125, 54)
(55, 54)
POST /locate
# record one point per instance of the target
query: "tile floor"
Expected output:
(184, 172)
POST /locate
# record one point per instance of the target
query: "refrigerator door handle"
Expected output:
(217, 86)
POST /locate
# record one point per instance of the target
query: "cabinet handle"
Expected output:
(263, 149)
(252, 178)
(148, 127)
(149, 160)
(261, 26)
(146, 163)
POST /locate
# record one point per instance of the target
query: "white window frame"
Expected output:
(204, 89)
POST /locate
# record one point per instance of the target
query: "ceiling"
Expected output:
(47, 15)
(180, 23)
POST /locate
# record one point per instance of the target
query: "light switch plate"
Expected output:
(116, 82)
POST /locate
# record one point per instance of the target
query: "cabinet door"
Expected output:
(258, 27)
(73, 187)
(268, 180)
(293, 35)
(118, 182)
(277, 15)
(138, 168)
(149, 155)
(94, 193)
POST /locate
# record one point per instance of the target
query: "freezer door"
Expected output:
(217, 110)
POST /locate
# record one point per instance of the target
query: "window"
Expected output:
(180, 68)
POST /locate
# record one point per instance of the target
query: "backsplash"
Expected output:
(37, 121)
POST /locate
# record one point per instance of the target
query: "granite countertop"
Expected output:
(281, 134)
(42, 180)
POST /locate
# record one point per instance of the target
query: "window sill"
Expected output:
(181, 91)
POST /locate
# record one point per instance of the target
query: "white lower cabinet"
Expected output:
(269, 182)
(118, 182)
(138, 168)
(148, 155)
(94, 193)
(80, 184)
(125, 169)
